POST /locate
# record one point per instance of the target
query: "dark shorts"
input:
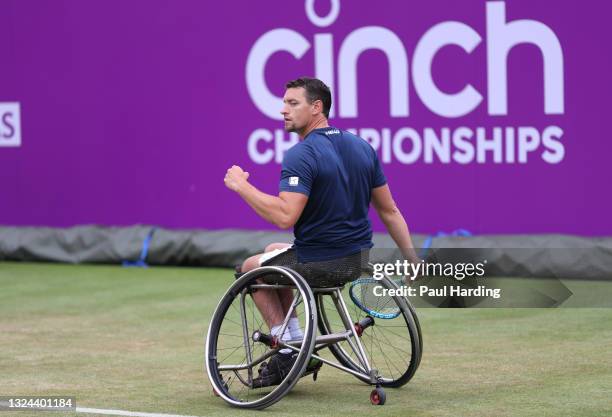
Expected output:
(330, 273)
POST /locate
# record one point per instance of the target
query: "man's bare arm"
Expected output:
(283, 211)
(394, 221)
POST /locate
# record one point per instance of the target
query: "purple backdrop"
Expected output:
(130, 112)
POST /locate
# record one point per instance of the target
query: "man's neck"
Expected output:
(315, 124)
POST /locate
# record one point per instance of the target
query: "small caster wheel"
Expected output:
(378, 396)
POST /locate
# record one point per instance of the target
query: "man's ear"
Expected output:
(317, 107)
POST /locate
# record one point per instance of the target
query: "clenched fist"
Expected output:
(235, 178)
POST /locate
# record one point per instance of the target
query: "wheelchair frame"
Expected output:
(307, 348)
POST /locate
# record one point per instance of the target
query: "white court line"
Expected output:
(125, 413)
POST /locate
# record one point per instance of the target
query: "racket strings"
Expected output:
(370, 296)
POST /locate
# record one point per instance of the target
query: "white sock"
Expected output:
(275, 330)
(294, 329)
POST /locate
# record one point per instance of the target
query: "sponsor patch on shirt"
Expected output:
(293, 181)
(332, 132)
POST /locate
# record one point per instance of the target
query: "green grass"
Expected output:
(132, 339)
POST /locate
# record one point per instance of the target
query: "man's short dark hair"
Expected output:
(315, 90)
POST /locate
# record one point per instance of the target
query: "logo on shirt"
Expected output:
(293, 181)
(332, 132)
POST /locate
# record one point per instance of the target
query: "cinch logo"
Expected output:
(10, 126)
(517, 143)
(502, 36)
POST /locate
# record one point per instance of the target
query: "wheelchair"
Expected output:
(380, 352)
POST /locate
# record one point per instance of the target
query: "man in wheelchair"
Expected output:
(327, 182)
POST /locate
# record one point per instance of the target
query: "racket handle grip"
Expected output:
(366, 322)
(266, 339)
(363, 324)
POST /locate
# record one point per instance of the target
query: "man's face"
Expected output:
(297, 112)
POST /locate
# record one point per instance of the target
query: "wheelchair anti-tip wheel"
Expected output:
(239, 343)
(378, 396)
(393, 346)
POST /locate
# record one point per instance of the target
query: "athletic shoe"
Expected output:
(273, 372)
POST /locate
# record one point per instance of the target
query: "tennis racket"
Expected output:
(376, 304)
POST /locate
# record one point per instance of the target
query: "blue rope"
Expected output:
(430, 238)
(141, 262)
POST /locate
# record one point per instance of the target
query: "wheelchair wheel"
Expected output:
(233, 357)
(392, 346)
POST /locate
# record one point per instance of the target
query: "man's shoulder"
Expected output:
(357, 141)
(301, 151)
(299, 148)
(352, 135)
